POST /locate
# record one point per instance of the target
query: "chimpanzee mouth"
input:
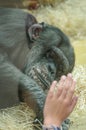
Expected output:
(40, 76)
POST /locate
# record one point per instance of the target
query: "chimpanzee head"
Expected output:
(57, 60)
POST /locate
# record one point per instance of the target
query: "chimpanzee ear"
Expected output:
(30, 20)
(34, 30)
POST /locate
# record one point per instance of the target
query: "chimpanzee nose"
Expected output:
(51, 68)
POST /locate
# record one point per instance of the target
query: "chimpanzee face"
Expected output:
(43, 72)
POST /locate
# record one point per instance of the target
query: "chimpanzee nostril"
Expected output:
(51, 69)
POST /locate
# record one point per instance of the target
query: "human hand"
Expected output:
(61, 102)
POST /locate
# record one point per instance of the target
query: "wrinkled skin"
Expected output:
(32, 55)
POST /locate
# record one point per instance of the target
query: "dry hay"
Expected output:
(34, 4)
(49, 2)
(78, 117)
(68, 15)
(17, 118)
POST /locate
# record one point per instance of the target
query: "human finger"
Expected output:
(52, 88)
(60, 85)
(71, 91)
(51, 91)
(68, 81)
(66, 85)
(53, 85)
(73, 103)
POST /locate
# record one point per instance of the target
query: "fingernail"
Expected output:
(54, 82)
(69, 75)
(63, 77)
(74, 80)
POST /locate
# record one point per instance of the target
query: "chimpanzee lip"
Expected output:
(40, 77)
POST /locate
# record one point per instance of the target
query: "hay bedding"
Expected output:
(78, 117)
(17, 118)
(70, 17)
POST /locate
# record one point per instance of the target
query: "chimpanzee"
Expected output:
(32, 55)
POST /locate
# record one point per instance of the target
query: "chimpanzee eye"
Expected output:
(50, 54)
(47, 55)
